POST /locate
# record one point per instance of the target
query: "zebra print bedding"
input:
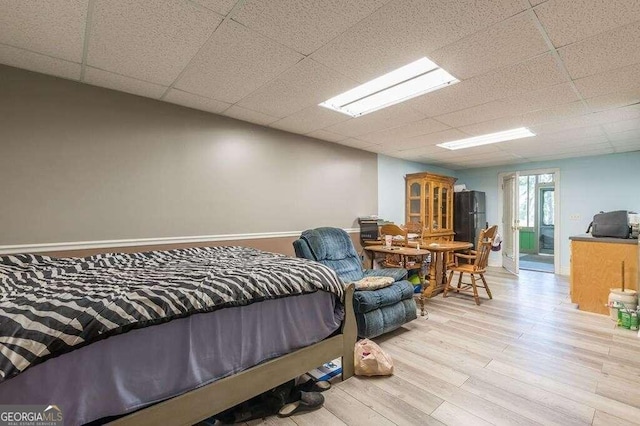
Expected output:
(51, 306)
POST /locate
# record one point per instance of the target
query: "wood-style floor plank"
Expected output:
(526, 357)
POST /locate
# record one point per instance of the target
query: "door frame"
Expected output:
(512, 265)
(540, 188)
(557, 255)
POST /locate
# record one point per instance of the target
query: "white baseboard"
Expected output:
(134, 242)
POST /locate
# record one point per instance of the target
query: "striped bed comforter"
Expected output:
(51, 306)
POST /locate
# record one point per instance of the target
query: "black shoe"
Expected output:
(308, 401)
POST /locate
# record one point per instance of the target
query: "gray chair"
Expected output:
(377, 311)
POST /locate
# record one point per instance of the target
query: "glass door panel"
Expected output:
(426, 222)
(443, 208)
(414, 189)
(436, 208)
(414, 206)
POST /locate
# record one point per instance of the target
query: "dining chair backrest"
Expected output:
(394, 230)
(483, 249)
(415, 228)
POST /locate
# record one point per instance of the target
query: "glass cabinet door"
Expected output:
(426, 219)
(444, 207)
(415, 200)
(436, 225)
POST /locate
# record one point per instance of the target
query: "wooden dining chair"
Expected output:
(478, 267)
(415, 228)
(470, 255)
(393, 260)
(394, 230)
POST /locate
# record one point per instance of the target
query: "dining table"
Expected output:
(438, 253)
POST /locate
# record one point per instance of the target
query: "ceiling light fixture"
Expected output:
(409, 81)
(507, 135)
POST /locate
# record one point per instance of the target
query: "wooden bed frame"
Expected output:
(206, 401)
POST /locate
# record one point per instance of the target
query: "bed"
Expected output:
(185, 366)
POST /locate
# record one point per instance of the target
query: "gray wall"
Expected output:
(81, 163)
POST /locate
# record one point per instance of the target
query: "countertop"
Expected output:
(588, 237)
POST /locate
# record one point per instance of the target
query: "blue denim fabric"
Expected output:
(377, 311)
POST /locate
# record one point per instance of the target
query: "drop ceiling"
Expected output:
(568, 70)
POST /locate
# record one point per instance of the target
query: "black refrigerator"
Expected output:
(469, 215)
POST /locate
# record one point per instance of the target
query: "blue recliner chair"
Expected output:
(377, 311)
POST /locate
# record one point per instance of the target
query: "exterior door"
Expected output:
(510, 223)
(546, 216)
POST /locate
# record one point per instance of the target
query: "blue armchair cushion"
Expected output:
(367, 301)
(333, 248)
(379, 321)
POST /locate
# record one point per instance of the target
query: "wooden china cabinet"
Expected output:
(429, 200)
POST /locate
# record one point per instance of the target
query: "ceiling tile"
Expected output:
(326, 136)
(150, 40)
(622, 126)
(561, 125)
(567, 22)
(614, 100)
(618, 114)
(381, 149)
(578, 133)
(113, 81)
(196, 102)
(428, 140)
(542, 98)
(452, 98)
(301, 24)
(627, 148)
(492, 126)
(416, 128)
(223, 7)
(235, 62)
(477, 114)
(405, 30)
(574, 153)
(39, 63)
(527, 76)
(524, 77)
(626, 136)
(248, 115)
(53, 27)
(546, 146)
(622, 79)
(378, 120)
(506, 43)
(634, 143)
(354, 143)
(607, 51)
(558, 112)
(309, 119)
(305, 84)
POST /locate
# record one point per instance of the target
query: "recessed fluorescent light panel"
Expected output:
(507, 135)
(409, 81)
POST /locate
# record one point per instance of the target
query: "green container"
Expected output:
(625, 319)
(633, 325)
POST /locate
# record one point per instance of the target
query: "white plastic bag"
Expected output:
(371, 360)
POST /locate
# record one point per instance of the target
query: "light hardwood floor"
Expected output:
(525, 357)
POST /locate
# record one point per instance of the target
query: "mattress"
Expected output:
(129, 371)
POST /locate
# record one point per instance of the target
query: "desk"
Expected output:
(403, 253)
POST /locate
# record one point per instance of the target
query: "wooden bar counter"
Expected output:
(596, 268)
